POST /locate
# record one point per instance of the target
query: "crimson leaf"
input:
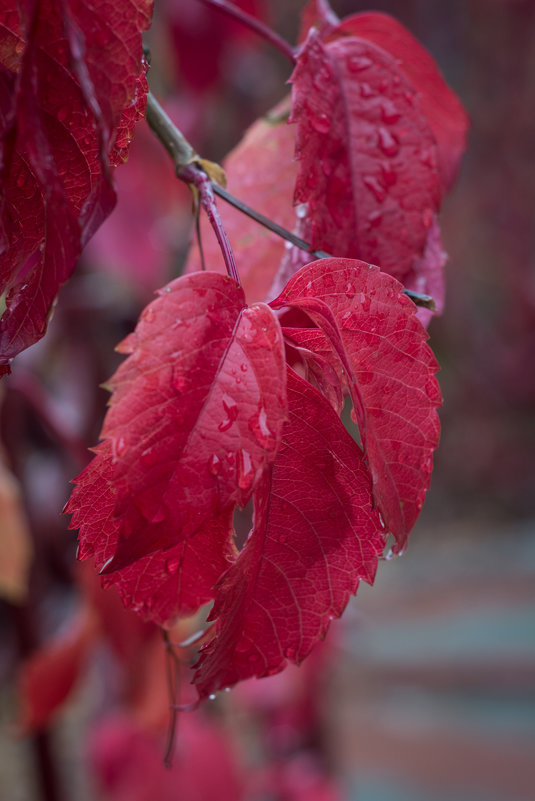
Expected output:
(372, 333)
(359, 140)
(316, 535)
(195, 418)
(72, 86)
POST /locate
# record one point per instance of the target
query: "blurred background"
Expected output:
(425, 690)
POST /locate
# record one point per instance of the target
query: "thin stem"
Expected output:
(269, 224)
(172, 666)
(196, 176)
(254, 25)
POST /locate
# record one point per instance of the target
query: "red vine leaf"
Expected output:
(372, 333)
(195, 418)
(316, 535)
(72, 88)
(367, 157)
(440, 106)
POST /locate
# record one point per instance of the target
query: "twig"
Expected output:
(254, 25)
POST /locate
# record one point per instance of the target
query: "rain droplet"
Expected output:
(366, 90)
(21, 179)
(289, 653)
(214, 464)
(148, 315)
(244, 367)
(388, 173)
(245, 470)
(388, 143)
(212, 696)
(301, 211)
(149, 457)
(371, 183)
(231, 410)
(172, 565)
(428, 158)
(259, 427)
(374, 218)
(118, 447)
(389, 112)
(321, 123)
(358, 63)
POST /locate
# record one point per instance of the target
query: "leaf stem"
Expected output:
(189, 169)
(254, 25)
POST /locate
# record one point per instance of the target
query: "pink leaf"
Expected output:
(73, 86)
(316, 535)
(372, 333)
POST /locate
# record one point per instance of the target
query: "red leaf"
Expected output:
(375, 337)
(73, 86)
(367, 157)
(195, 419)
(439, 104)
(316, 535)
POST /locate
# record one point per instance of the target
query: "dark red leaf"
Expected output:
(72, 88)
(372, 333)
(367, 157)
(316, 535)
(439, 104)
(195, 419)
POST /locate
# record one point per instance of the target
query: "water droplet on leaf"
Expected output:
(388, 143)
(358, 63)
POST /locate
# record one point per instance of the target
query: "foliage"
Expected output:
(225, 400)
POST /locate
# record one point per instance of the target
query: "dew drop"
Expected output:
(244, 367)
(388, 143)
(259, 427)
(358, 63)
(301, 211)
(374, 218)
(321, 123)
(148, 315)
(231, 410)
(365, 302)
(428, 158)
(371, 183)
(366, 90)
(21, 180)
(389, 112)
(212, 696)
(289, 653)
(327, 166)
(118, 447)
(172, 565)
(149, 457)
(245, 470)
(214, 464)
(62, 114)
